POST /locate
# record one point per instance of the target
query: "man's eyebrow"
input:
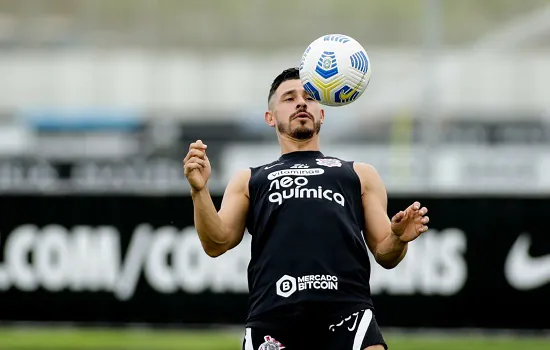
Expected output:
(288, 92)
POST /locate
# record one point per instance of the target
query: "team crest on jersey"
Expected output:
(271, 344)
(329, 162)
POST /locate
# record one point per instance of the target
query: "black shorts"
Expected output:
(354, 332)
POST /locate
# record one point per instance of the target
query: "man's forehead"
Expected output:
(290, 86)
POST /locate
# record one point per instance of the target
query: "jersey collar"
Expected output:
(304, 154)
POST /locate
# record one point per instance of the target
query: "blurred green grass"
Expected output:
(138, 339)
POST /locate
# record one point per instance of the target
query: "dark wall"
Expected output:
(484, 263)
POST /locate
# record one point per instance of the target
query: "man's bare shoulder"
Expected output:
(239, 181)
(365, 170)
(368, 175)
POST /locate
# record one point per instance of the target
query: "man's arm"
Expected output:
(223, 230)
(387, 248)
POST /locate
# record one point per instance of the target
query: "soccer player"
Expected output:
(312, 219)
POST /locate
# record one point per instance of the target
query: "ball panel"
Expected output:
(312, 91)
(326, 65)
(326, 87)
(360, 61)
(346, 94)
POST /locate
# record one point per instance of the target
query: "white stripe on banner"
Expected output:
(248, 340)
(362, 330)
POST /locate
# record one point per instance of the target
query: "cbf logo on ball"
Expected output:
(288, 285)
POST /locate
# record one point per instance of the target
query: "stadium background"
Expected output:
(99, 100)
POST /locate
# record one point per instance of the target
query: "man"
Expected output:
(312, 219)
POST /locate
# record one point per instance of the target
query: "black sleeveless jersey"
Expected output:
(306, 220)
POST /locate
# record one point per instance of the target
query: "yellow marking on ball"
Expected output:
(326, 88)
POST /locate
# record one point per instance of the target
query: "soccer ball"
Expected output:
(335, 70)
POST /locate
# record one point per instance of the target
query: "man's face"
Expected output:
(294, 112)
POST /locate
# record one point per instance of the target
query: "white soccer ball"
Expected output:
(335, 70)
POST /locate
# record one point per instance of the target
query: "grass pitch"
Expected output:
(137, 339)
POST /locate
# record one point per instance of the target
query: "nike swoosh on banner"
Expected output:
(524, 272)
(271, 166)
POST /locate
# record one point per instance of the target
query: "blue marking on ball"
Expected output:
(340, 38)
(359, 61)
(312, 91)
(326, 65)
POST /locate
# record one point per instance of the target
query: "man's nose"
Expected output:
(301, 103)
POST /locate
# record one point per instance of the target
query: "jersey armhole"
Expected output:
(359, 184)
(251, 192)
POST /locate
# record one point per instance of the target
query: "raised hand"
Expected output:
(410, 223)
(197, 166)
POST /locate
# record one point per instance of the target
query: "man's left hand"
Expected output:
(410, 223)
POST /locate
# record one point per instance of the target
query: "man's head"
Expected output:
(291, 109)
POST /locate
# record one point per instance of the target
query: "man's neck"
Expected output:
(292, 145)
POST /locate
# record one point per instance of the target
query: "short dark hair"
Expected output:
(287, 74)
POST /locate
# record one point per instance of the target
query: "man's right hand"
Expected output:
(197, 166)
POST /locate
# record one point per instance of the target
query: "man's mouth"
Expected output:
(302, 115)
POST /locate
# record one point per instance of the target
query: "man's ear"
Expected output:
(270, 119)
(322, 116)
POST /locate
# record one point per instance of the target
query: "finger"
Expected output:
(189, 155)
(416, 205)
(423, 229)
(398, 217)
(197, 160)
(195, 153)
(192, 166)
(201, 144)
(423, 211)
(197, 145)
(425, 220)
